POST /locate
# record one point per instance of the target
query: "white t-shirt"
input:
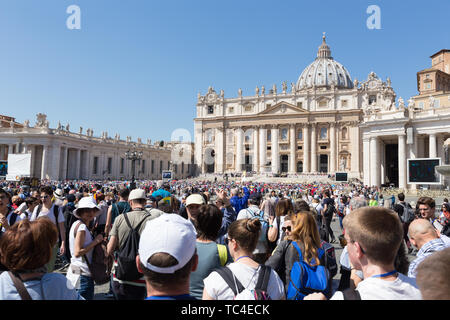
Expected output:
(49, 214)
(278, 227)
(218, 289)
(79, 262)
(402, 288)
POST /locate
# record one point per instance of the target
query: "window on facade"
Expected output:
(231, 110)
(299, 147)
(323, 104)
(122, 165)
(210, 109)
(284, 134)
(323, 147)
(344, 133)
(300, 135)
(109, 165)
(323, 133)
(344, 103)
(248, 108)
(248, 136)
(95, 169)
(209, 136)
(182, 167)
(300, 104)
(160, 166)
(428, 86)
(153, 166)
(168, 165)
(372, 99)
(175, 167)
(269, 135)
(143, 166)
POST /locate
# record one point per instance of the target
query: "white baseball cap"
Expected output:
(137, 194)
(195, 199)
(168, 233)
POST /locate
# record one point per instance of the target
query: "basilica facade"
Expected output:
(311, 126)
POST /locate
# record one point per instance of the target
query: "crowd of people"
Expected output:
(210, 240)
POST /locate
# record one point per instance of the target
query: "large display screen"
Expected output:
(422, 171)
(341, 177)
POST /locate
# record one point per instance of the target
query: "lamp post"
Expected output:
(133, 154)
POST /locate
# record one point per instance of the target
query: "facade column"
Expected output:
(374, 162)
(402, 161)
(262, 149)
(275, 150)
(239, 149)
(313, 147)
(333, 154)
(256, 146)
(433, 149)
(45, 154)
(366, 162)
(293, 149)
(219, 141)
(306, 167)
(10, 148)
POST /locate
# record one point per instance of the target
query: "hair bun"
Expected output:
(253, 225)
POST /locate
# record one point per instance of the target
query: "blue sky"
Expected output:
(136, 66)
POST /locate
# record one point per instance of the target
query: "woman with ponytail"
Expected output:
(243, 236)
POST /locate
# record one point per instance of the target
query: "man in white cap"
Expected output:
(167, 256)
(193, 204)
(129, 289)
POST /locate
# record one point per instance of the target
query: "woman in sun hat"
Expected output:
(81, 243)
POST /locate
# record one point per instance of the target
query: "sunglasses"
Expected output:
(288, 228)
(45, 197)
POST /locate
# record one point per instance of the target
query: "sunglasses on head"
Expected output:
(288, 228)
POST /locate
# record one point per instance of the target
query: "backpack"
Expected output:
(100, 264)
(242, 293)
(330, 210)
(264, 225)
(126, 256)
(307, 279)
(408, 214)
(330, 256)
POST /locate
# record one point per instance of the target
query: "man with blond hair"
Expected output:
(373, 236)
(425, 238)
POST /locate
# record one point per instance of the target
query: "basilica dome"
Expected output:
(325, 71)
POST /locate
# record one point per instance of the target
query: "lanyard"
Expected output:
(384, 274)
(241, 257)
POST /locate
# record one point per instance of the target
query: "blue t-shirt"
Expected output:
(52, 286)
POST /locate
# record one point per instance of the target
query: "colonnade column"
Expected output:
(45, 154)
(293, 148)
(433, 149)
(402, 161)
(374, 162)
(366, 161)
(275, 150)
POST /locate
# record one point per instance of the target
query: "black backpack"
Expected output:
(126, 256)
(260, 291)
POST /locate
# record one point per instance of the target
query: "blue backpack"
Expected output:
(306, 279)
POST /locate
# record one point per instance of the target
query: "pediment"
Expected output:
(283, 108)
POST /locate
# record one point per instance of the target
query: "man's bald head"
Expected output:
(421, 231)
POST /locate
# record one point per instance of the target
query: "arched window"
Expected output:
(344, 133)
(284, 134)
(323, 133)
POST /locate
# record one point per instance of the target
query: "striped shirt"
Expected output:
(427, 249)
